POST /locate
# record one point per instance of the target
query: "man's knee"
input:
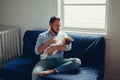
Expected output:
(77, 62)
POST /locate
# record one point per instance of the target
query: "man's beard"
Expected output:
(54, 31)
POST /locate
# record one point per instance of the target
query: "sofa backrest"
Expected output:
(29, 41)
(89, 48)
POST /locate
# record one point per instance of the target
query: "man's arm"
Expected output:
(63, 47)
(41, 48)
(60, 47)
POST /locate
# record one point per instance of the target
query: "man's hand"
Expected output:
(50, 50)
(45, 45)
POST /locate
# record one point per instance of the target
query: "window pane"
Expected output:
(83, 1)
(84, 16)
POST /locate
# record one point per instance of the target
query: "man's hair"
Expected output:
(52, 19)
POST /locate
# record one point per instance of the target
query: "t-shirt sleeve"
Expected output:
(38, 43)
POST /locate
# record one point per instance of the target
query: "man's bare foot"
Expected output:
(44, 73)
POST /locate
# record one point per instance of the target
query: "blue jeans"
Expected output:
(59, 65)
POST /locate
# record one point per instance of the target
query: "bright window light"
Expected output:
(83, 14)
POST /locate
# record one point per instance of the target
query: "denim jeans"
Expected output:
(59, 65)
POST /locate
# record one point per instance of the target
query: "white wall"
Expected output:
(113, 46)
(35, 14)
(27, 13)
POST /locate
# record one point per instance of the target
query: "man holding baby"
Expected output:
(53, 62)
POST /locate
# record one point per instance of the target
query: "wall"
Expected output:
(27, 13)
(112, 64)
(113, 46)
(34, 14)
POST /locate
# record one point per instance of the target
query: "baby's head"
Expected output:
(67, 40)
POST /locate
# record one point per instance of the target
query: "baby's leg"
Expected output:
(44, 55)
(54, 52)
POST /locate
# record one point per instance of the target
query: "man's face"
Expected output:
(55, 27)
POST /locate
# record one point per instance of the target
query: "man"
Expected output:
(53, 63)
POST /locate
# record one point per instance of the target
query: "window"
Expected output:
(84, 15)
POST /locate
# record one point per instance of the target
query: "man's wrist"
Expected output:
(47, 44)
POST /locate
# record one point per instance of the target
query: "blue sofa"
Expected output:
(89, 48)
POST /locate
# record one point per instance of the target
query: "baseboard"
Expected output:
(111, 77)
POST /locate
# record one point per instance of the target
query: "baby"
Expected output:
(65, 40)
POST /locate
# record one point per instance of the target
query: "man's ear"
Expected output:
(50, 24)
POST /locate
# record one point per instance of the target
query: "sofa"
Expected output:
(88, 47)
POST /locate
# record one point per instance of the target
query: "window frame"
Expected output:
(104, 32)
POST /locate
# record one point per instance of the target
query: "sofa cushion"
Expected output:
(19, 68)
(84, 73)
